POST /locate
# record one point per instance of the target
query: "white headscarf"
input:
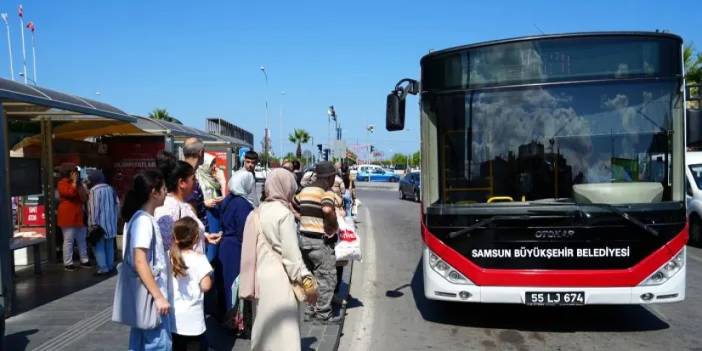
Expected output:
(243, 184)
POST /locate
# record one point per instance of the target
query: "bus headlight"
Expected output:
(446, 271)
(667, 271)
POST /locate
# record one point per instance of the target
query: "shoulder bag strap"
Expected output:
(259, 232)
(128, 246)
(297, 288)
(153, 245)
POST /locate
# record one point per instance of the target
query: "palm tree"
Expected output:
(299, 137)
(162, 115)
(693, 65)
(693, 71)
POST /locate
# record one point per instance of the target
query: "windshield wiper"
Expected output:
(488, 220)
(476, 225)
(580, 208)
(633, 220)
(608, 207)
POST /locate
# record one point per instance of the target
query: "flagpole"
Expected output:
(24, 51)
(34, 58)
(9, 45)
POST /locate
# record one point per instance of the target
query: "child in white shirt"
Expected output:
(191, 279)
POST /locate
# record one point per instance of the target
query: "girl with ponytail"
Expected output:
(145, 254)
(191, 280)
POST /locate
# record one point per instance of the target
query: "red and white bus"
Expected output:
(552, 169)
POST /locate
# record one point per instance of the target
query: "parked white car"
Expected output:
(693, 172)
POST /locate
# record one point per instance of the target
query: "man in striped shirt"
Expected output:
(103, 209)
(318, 229)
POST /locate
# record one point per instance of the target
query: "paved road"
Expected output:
(389, 311)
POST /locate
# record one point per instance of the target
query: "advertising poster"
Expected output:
(129, 155)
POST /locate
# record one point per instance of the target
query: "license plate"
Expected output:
(555, 298)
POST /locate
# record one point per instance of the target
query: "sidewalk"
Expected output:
(82, 321)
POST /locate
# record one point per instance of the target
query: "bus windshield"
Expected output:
(550, 141)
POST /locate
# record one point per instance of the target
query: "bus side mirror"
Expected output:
(395, 112)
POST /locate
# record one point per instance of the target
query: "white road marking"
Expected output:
(361, 340)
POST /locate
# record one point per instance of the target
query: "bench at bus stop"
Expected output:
(20, 242)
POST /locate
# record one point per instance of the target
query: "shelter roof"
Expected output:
(179, 131)
(21, 100)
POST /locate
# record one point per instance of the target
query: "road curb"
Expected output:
(344, 290)
(377, 185)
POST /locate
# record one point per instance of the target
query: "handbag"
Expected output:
(95, 234)
(133, 305)
(297, 287)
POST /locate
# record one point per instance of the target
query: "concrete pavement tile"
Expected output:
(328, 344)
(331, 330)
(316, 331)
(242, 345)
(108, 340)
(30, 337)
(113, 327)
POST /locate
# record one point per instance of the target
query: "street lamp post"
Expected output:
(369, 130)
(332, 115)
(266, 137)
(331, 112)
(9, 44)
(280, 125)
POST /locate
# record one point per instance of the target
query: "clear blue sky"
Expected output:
(201, 59)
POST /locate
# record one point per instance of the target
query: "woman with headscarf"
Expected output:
(103, 209)
(277, 266)
(234, 210)
(213, 187)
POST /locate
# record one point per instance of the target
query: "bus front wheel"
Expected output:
(695, 230)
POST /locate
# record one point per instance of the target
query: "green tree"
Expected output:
(693, 71)
(266, 158)
(399, 159)
(161, 114)
(693, 65)
(299, 137)
(416, 159)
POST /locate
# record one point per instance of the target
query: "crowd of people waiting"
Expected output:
(195, 244)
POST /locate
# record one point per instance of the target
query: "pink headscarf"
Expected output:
(280, 186)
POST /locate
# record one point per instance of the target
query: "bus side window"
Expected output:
(687, 187)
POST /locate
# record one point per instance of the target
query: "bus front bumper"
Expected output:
(436, 287)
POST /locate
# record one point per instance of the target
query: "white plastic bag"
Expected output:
(348, 246)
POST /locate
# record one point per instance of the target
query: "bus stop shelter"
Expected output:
(41, 110)
(175, 135)
(126, 148)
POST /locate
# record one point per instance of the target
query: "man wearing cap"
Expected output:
(318, 229)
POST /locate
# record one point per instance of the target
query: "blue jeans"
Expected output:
(77, 234)
(157, 339)
(348, 203)
(105, 254)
